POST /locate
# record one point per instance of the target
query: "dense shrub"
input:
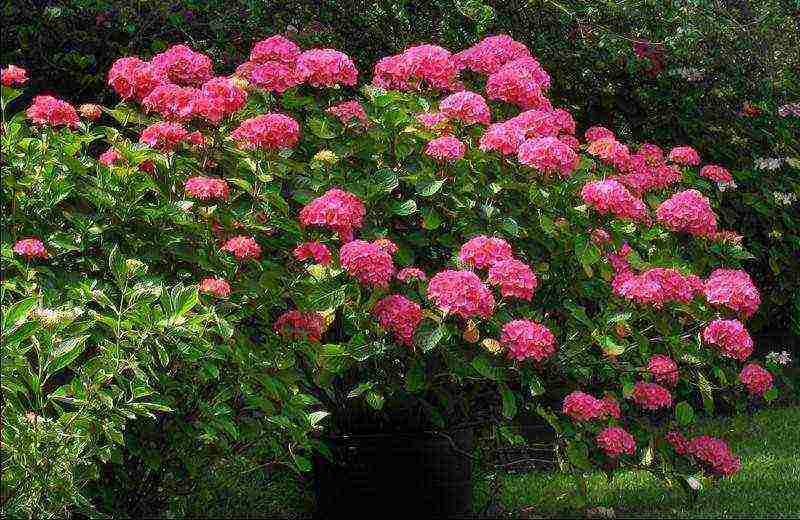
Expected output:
(385, 257)
(710, 73)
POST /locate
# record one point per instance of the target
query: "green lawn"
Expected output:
(767, 487)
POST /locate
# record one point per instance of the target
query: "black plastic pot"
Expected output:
(423, 474)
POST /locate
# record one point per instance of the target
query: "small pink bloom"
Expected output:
(615, 441)
(599, 132)
(326, 68)
(527, 339)
(319, 252)
(651, 396)
(400, 315)
(336, 209)
(461, 293)
(30, 248)
(207, 188)
(110, 157)
(756, 379)
(583, 407)
(411, 273)
(446, 148)
(548, 155)
(685, 155)
(482, 251)
(367, 263)
(243, 247)
(267, 132)
(275, 48)
(716, 173)
(219, 287)
(183, 66)
(515, 279)
(13, 75)
(164, 136)
(732, 289)
(730, 337)
(664, 369)
(349, 111)
(300, 325)
(467, 107)
(47, 110)
(688, 211)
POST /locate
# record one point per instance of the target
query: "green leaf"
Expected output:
(187, 299)
(359, 390)
(578, 455)
(484, 367)
(321, 128)
(17, 313)
(66, 353)
(684, 413)
(118, 266)
(429, 188)
(404, 208)
(415, 377)
(771, 394)
(509, 403)
(535, 386)
(375, 400)
(428, 335)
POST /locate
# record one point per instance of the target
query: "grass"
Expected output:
(768, 486)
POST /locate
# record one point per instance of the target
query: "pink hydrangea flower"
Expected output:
(732, 289)
(109, 157)
(651, 396)
(656, 286)
(730, 337)
(183, 66)
(90, 111)
(688, 211)
(520, 82)
(468, 107)
(300, 325)
(600, 237)
(267, 132)
(196, 139)
(30, 248)
(609, 196)
(326, 68)
(583, 407)
(411, 273)
(596, 133)
(336, 209)
(172, 102)
(432, 120)
(219, 287)
(548, 155)
(715, 454)
(611, 407)
(515, 279)
(446, 148)
(13, 75)
(319, 252)
(219, 97)
(418, 67)
(164, 136)
(756, 379)
(652, 153)
(272, 76)
(664, 369)
(545, 123)
(491, 53)
(716, 173)
(400, 315)
(367, 263)
(243, 247)
(685, 155)
(504, 137)
(615, 441)
(132, 78)
(527, 339)
(47, 110)
(207, 188)
(461, 293)
(349, 110)
(678, 442)
(482, 251)
(571, 141)
(610, 151)
(275, 48)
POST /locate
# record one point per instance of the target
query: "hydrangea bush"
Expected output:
(433, 249)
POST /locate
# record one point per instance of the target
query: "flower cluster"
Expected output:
(491, 53)
(730, 337)
(206, 188)
(267, 132)
(651, 396)
(326, 68)
(505, 137)
(461, 293)
(30, 248)
(110, 157)
(47, 110)
(609, 196)
(656, 286)
(756, 379)
(164, 136)
(219, 287)
(467, 107)
(548, 155)
(242, 247)
(411, 273)
(716, 173)
(615, 441)
(300, 325)
(664, 369)
(400, 315)
(714, 453)
(520, 82)
(319, 252)
(133, 79)
(182, 66)
(418, 67)
(688, 211)
(482, 251)
(583, 407)
(526, 339)
(13, 75)
(685, 155)
(367, 262)
(348, 111)
(446, 148)
(515, 278)
(733, 289)
(336, 209)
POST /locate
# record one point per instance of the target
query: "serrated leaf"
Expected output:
(404, 208)
(429, 188)
(17, 313)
